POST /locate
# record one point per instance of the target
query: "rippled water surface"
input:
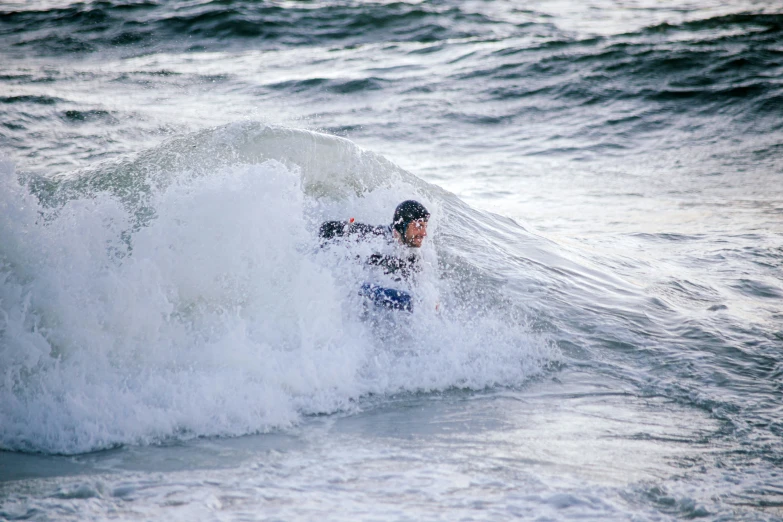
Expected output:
(606, 253)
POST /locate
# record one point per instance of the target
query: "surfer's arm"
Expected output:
(344, 229)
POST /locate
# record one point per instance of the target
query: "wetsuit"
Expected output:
(399, 268)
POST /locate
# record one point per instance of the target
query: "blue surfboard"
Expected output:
(389, 298)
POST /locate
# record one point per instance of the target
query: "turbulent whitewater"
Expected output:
(145, 300)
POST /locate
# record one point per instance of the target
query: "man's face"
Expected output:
(415, 233)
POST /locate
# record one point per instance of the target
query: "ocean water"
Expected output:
(598, 332)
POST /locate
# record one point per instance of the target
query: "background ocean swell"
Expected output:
(529, 86)
(64, 27)
(192, 26)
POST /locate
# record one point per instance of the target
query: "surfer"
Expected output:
(408, 230)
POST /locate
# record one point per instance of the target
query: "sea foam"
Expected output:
(216, 313)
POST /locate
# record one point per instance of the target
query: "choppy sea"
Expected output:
(598, 330)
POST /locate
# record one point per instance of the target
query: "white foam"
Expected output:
(220, 316)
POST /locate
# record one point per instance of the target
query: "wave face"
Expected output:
(168, 297)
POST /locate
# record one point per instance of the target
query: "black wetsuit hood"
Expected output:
(407, 211)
